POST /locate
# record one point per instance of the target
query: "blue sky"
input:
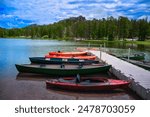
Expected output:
(20, 13)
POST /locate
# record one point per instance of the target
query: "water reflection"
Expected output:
(90, 95)
(34, 77)
(63, 94)
(21, 86)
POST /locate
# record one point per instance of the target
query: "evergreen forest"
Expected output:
(79, 28)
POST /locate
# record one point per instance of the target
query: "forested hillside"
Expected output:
(79, 28)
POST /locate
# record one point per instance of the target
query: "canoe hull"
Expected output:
(111, 84)
(135, 57)
(68, 53)
(69, 57)
(42, 60)
(62, 72)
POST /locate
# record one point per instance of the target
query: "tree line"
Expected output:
(109, 28)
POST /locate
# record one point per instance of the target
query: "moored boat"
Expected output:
(62, 70)
(43, 60)
(136, 56)
(68, 53)
(68, 57)
(143, 64)
(87, 84)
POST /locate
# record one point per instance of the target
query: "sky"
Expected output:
(21, 13)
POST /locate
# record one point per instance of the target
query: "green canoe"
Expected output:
(136, 56)
(62, 70)
(43, 60)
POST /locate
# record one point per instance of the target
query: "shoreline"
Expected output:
(146, 42)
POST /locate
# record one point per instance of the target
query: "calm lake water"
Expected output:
(30, 86)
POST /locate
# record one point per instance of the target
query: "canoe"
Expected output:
(87, 84)
(43, 60)
(138, 56)
(68, 53)
(143, 64)
(68, 57)
(62, 70)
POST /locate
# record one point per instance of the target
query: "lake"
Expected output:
(30, 86)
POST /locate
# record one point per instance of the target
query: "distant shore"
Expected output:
(146, 42)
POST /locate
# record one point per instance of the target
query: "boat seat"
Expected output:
(73, 60)
(42, 65)
(86, 82)
(67, 81)
(80, 65)
(77, 79)
(56, 59)
(62, 66)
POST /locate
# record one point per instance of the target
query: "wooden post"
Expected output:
(129, 54)
(100, 53)
(88, 46)
(104, 47)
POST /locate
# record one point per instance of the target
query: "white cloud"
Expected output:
(5, 16)
(48, 11)
(145, 17)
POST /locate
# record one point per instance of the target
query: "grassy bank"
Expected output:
(147, 42)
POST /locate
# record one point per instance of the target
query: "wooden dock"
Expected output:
(139, 77)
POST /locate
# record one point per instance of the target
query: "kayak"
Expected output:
(68, 57)
(87, 84)
(68, 53)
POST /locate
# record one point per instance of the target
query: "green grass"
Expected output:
(147, 42)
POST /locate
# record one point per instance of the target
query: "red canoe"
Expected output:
(92, 84)
(75, 57)
(68, 53)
